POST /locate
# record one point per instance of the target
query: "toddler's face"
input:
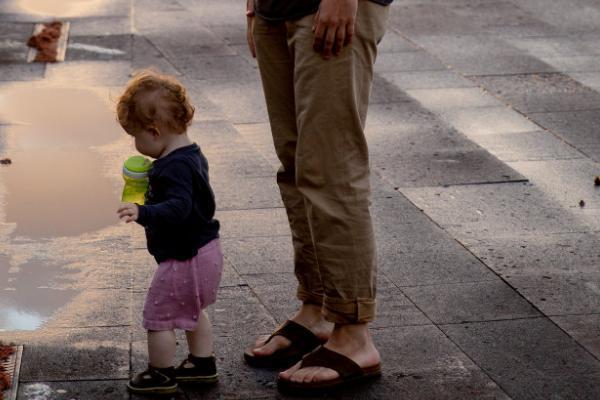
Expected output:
(148, 143)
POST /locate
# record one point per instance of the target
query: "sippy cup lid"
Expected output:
(137, 166)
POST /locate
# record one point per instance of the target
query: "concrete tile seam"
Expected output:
(464, 184)
(484, 321)
(164, 56)
(456, 283)
(73, 380)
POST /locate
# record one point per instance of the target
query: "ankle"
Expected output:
(309, 315)
(351, 335)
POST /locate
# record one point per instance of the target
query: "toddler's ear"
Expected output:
(154, 130)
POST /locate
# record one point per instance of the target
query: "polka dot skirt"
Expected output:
(180, 290)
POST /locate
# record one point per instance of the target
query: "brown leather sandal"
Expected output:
(349, 372)
(303, 342)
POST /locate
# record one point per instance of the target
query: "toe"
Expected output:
(325, 374)
(289, 372)
(273, 345)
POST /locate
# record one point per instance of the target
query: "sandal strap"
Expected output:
(300, 336)
(323, 357)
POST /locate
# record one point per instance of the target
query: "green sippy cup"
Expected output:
(135, 174)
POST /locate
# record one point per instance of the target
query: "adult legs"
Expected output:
(332, 173)
(276, 66)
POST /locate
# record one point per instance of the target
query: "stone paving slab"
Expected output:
(95, 308)
(466, 302)
(439, 100)
(475, 122)
(528, 146)
(567, 181)
(570, 64)
(385, 92)
(247, 193)
(21, 72)
(559, 254)
(485, 211)
(590, 79)
(481, 55)
(583, 328)
(427, 18)
(393, 42)
(91, 73)
(422, 363)
(515, 355)
(100, 47)
(254, 255)
(531, 93)
(429, 261)
(579, 128)
(426, 79)
(260, 138)
(68, 390)
(100, 26)
(76, 354)
(415, 137)
(560, 294)
(443, 168)
(430, 257)
(553, 46)
(407, 61)
(237, 100)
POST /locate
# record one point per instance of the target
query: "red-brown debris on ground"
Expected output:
(5, 161)
(5, 353)
(46, 42)
(581, 203)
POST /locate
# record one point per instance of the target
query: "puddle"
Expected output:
(27, 299)
(63, 8)
(57, 183)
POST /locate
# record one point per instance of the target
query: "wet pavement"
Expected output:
(484, 132)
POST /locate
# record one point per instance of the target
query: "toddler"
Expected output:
(181, 233)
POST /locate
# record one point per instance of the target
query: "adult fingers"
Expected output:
(328, 42)
(349, 33)
(340, 39)
(320, 30)
(315, 21)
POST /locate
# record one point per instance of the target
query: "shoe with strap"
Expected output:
(154, 381)
(197, 370)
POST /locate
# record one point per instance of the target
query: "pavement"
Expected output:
(484, 132)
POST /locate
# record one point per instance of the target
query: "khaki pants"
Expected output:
(317, 111)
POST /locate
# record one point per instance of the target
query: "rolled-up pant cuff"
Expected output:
(353, 311)
(307, 297)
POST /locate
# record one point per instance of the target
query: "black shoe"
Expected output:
(154, 380)
(197, 369)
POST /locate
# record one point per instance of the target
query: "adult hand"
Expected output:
(334, 26)
(128, 212)
(250, 23)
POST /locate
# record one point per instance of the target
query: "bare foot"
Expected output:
(353, 341)
(308, 316)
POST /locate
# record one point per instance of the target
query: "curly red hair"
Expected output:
(154, 101)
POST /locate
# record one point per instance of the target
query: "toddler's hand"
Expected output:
(128, 212)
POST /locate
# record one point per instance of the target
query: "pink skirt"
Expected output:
(180, 290)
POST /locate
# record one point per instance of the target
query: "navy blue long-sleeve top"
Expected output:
(179, 210)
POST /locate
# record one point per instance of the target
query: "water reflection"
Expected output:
(27, 296)
(62, 8)
(56, 184)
